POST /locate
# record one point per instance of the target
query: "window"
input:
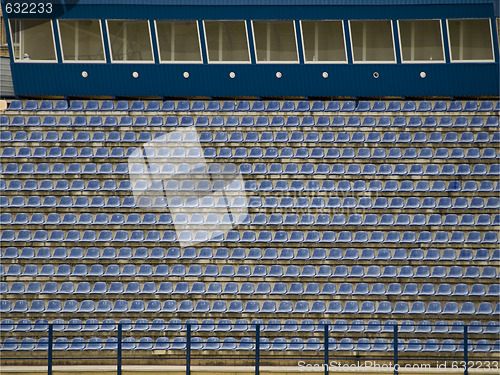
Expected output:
(498, 31)
(130, 41)
(227, 41)
(421, 40)
(81, 40)
(178, 41)
(275, 41)
(32, 40)
(323, 41)
(372, 41)
(470, 40)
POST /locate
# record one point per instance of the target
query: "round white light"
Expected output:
(232, 75)
(185, 74)
(376, 75)
(325, 74)
(279, 75)
(135, 74)
(85, 74)
(423, 74)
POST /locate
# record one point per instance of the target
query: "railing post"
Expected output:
(326, 349)
(396, 349)
(257, 349)
(49, 354)
(188, 349)
(119, 351)
(466, 351)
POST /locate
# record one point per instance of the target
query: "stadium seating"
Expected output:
(222, 215)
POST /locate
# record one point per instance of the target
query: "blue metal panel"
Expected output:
(458, 79)
(264, 9)
(480, 10)
(277, 2)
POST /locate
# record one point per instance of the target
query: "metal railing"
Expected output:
(462, 355)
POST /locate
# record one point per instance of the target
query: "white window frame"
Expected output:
(470, 61)
(152, 61)
(324, 61)
(422, 61)
(277, 62)
(371, 61)
(81, 61)
(178, 61)
(20, 60)
(249, 61)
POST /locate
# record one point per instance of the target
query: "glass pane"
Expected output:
(227, 41)
(372, 41)
(130, 41)
(81, 40)
(323, 41)
(178, 41)
(498, 31)
(32, 40)
(421, 40)
(470, 39)
(275, 40)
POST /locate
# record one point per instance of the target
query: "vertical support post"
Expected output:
(188, 349)
(49, 354)
(466, 351)
(396, 349)
(257, 348)
(119, 351)
(326, 349)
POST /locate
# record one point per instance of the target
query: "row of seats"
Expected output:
(411, 153)
(105, 306)
(254, 253)
(278, 271)
(246, 219)
(247, 288)
(255, 106)
(249, 236)
(243, 325)
(250, 121)
(191, 202)
(274, 169)
(231, 169)
(264, 186)
(122, 202)
(388, 137)
(248, 344)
